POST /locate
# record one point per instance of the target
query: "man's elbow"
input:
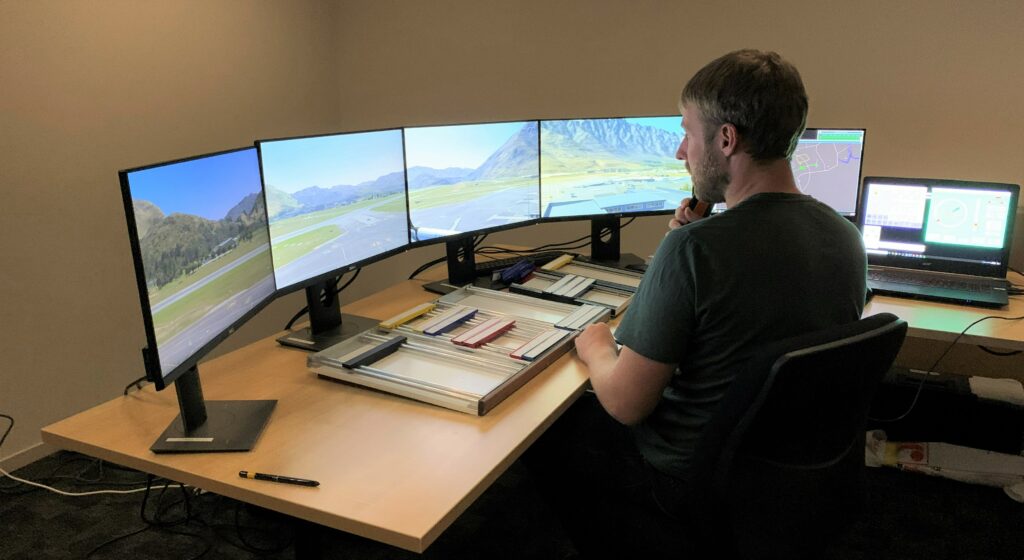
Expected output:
(626, 413)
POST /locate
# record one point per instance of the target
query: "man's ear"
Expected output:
(729, 139)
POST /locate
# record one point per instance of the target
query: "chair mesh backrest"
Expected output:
(788, 388)
(791, 428)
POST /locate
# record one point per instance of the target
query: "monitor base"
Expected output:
(305, 339)
(229, 426)
(623, 262)
(439, 287)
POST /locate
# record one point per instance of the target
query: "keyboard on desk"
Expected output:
(487, 267)
(955, 288)
(908, 277)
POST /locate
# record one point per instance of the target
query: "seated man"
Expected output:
(776, 264)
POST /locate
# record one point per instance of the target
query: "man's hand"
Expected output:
(596, 345)
(683, 215)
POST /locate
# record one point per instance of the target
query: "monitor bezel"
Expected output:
(615, 215)
(337, 271)
(151, 353)
(474, 232)
(926, 263)
(860, 171)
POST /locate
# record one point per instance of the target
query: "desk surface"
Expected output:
(942, 321)
(393, 470)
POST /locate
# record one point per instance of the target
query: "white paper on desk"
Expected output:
(1005, 390)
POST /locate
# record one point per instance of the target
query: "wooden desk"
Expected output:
(941, 321)
(391, 469)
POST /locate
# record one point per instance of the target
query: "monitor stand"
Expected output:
(605, 244)
(461, 266)
(327, 325)
(211, 426)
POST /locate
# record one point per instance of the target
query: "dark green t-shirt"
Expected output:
(777, 265)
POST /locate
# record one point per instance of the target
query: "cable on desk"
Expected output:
(305, 309)
(8, 430)
(426, 265)
(584, 241)
(137, 384)
(920, 385)
(999, 352)
(493, 249)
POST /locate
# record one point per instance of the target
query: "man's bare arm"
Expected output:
(628, 384)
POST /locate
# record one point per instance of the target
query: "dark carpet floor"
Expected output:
(908, 517)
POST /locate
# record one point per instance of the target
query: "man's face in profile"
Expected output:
(708, 171)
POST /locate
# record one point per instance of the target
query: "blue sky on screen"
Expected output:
(672, 124)
(466, 145)
(326, 161)
(207, 187)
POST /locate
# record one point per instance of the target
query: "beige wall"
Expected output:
(91, 87)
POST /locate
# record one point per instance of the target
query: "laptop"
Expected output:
(938, 239)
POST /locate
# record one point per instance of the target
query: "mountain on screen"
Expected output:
(599, 142)
(420, 176)
(146, 215)
(180, 243)
(245, 207)
(311, 199)
(517, 157)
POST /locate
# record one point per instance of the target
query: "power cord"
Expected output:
(157, 523)
(158, 520)
(8, 430)
(137, 384)
(305, 309)
(493, 249)
(427, 265)
(4, 473)
(439, 260)
(920, 385)
(64, 493)
(998, 352)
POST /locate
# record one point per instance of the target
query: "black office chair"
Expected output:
(779, 472)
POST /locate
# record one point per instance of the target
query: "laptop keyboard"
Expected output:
(926, 280)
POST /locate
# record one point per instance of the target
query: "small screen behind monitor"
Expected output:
(827, 166)
(202, 235)
(471, 177)
(591, 167)
(333, 201)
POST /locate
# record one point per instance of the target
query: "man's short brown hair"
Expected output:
(759, 93)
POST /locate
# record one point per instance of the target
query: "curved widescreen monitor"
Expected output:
(827, 166)
(612, 166)
(333, 202)
(471, 178)
(198, 231)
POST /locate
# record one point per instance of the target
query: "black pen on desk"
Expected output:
(278, 478)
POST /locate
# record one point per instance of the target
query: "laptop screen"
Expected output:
(941, 225)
